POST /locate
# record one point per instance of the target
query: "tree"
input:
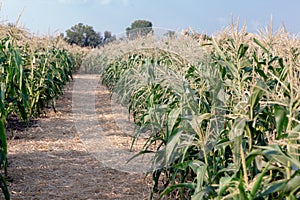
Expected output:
(139, 28)
(108, 37)
(83, 35)
(170, 34)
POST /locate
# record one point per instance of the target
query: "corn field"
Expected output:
(33, 73)
(221, 115)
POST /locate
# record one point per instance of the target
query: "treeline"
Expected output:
(85, 36)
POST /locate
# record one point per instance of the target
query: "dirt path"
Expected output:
(103, 125)
(60, 157)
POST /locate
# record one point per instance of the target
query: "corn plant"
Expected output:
(30, 77)
(226, 128)
(48, 72)
(13, 96)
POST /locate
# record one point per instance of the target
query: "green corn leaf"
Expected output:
(198, 196)
(4, 187)
(171, 188)
(183, 165)
(281, 119)
(242, 194)
(274, 187)
(262, 74)
(252, 155)
(258, 182)
(3, 141)
(173, 117)
(242, 50)
(275, 152)
(237, 128)
(257, 94)
(138, 154)
(233, 69)
(224, 184)
(293, 183)
(200, 177)
(196, 164)
(172, 146)
(261, 45)
(275, 58)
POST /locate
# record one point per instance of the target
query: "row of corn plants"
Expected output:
(227, 127)
(31, 77)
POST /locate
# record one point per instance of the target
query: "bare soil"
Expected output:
(50, 160)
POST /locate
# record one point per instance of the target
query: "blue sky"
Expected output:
(209, 16)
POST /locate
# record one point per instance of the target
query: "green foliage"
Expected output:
(83, 35)
(108, 37)
(139, 28)
(31, 78)
(225, 129)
